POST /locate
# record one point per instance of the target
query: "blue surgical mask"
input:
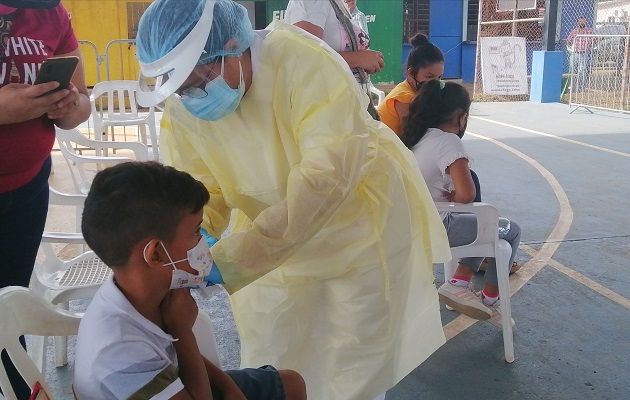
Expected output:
(221, 99)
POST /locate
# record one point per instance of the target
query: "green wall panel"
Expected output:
(385, 24)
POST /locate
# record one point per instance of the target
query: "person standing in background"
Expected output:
(425, 62)
(581, 49)
(31, 32)
(357, 15)
(330, 20)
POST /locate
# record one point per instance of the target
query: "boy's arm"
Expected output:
(179, 312)
(222, 381)
(191, 369)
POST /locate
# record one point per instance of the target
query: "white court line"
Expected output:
(543, 256)
(618, 153)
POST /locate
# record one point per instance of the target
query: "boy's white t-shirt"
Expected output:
(120, 353)
(435, 152)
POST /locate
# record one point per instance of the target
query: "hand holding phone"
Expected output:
(60, 69)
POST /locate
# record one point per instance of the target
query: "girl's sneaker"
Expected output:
(496, 315)
(464, 300)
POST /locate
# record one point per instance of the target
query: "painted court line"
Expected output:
(540, 258)
(615, 152)
(589, 283)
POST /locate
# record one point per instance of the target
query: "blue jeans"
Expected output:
(23, 214)
(581, 69)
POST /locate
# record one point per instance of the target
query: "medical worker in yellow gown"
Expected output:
(329, 264)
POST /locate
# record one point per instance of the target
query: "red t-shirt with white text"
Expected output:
(27, 38)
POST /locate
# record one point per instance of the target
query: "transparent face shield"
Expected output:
(161, 78)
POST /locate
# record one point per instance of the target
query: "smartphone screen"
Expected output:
(58, 69)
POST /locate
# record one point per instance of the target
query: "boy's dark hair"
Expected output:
(423, 53)
(433, 106)
(132, 201)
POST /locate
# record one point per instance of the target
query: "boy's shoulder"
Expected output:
(120, 351)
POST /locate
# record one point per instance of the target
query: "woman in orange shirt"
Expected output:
(425, 62)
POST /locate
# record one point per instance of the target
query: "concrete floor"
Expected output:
(564, 178)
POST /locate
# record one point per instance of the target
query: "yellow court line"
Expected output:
(589, 283)
(543, 256)
(618, 153)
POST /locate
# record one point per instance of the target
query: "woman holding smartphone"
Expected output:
(31, 32)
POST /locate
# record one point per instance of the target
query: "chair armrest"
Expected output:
(140, 151)
(59, 237)
(475, 208)
(65, 199)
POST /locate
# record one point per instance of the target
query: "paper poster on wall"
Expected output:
(504, 65)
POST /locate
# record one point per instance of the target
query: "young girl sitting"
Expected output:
(433, 131)
(425, 62)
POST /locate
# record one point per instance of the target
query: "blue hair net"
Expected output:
(165, 23)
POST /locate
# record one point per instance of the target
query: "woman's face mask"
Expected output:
(199, 258)
(220, 98)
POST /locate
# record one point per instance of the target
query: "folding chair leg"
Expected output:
(503, 275)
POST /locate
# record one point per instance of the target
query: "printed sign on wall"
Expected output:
(504, 65)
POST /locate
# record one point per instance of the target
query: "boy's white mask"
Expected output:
(198, 257)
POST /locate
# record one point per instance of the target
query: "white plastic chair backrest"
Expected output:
(117, 92)
(206, 339)
(23, 313)
(487, 224)
(65, 139)
(379, 93)
(52, 263)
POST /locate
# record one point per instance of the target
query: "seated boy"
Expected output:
(135, 340)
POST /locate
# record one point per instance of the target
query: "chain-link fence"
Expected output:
(593, 34)
(597, 48)
(509, 32)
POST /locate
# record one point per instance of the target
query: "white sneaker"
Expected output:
(496, 316)
(464, 300)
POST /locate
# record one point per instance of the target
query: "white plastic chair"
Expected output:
(379, 93)
(23, 313)
(206, 339)
(69, 140)
(487, 244)
(58, 281)
(114, 105)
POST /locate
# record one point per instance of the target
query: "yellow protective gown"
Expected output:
(330, 266)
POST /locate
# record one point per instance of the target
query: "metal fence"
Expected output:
(121, 61)
(598, 56)
(117, 62)
(595, 72)
(599, 77)
(92, 61)
(508, 33)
